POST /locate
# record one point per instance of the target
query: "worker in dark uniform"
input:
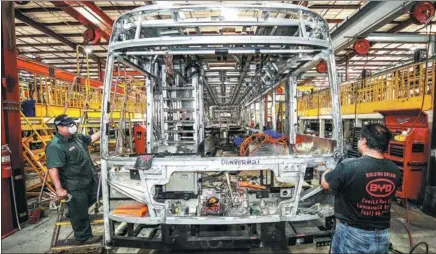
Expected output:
(364, 189)
(73, 174)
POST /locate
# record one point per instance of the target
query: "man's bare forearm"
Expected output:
(95, 136)
(54, 176)
(324, 183)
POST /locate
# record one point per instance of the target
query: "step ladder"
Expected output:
(67, 245)
(36, 135)
(181, 125)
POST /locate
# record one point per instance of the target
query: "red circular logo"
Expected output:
(380, 187)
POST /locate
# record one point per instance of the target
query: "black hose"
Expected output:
(416, 246)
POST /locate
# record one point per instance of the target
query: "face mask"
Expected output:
(72, 130)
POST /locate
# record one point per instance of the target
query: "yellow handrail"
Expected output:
(404, 87)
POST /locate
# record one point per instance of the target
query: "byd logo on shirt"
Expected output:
(380, 187)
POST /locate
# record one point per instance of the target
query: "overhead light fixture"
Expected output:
(229, 14)
(88, 50)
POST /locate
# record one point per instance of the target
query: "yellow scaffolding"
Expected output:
(402, 88)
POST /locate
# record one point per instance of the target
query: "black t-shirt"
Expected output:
(364, 189)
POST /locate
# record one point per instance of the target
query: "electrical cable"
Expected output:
(425, 80)
(260, 139)
(413, 125)
(416, 246)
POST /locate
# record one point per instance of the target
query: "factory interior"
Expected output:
(218, 126)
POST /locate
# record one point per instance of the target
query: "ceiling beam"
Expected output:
(100, 13)
(378, 55)
(383, 49)
(44, 29)
(49, 32)
(49, 44)
(62, 23)
(27, 36)
(334, 6)
(241, 79)
(372, 16)
(81, 18)
(375, 61)
(400, 38)
(400, 26)
(45, 52)
(103, 8)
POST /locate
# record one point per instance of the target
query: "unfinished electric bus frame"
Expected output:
(201, 57)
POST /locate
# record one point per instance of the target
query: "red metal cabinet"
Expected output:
(139, 132)
(411, 153)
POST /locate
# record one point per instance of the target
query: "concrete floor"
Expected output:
(36, 238)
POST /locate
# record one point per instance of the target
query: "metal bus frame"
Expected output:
(297, 38)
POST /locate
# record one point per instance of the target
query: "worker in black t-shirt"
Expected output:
(364, 189)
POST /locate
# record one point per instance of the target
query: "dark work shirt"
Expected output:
(364, 189)
(29, 107)
(71, 157)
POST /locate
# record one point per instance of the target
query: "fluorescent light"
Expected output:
(229, 14)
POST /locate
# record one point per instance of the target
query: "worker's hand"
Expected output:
(327, 170)
(61, 193)
(95, 136)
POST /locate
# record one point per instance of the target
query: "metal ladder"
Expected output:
(34, 146)
(67, 245)
(182, 123)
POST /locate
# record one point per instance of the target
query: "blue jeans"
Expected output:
(348, 239)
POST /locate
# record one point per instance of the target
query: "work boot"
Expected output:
(92, 239)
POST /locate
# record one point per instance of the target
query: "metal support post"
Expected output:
(291, 109)
(336, 105)
(347, 128)
(255, 117)
(273, 110)
(262, 114)
(265, 110)
(11, 107)
(201, 109)
(106, 107)
(164, 106)
(100, 72)
(347, 66)
(195, 106)
(249, 115)
(150, 101)
(432, 48)
(301, 126)
(321, 128)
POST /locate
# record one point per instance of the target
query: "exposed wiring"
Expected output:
(260, 139)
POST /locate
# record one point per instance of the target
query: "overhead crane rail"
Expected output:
(402, 88)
